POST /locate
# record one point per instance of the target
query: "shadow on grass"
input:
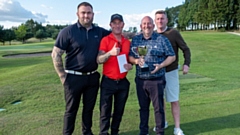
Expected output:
(212, 124)
(22, 62)
(32, 54)
(193, 78)
(201, 126)
(135, 132)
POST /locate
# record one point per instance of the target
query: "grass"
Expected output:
(29, 41)
(209, 93)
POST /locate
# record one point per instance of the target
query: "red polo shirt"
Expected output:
(110, 67)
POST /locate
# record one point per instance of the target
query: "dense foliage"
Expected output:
(207, 14)
(28, 30)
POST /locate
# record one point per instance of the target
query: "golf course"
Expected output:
(32, 96)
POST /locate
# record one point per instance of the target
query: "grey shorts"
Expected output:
(172, 86)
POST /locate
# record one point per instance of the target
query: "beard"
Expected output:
(86, 22)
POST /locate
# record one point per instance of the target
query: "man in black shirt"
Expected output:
(80, 42)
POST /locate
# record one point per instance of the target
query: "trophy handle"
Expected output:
(133, 50)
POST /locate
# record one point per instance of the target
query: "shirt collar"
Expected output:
(80, 25)
(165, 29)
(150, 37)
(114, 38)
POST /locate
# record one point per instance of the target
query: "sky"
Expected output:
(61, 12)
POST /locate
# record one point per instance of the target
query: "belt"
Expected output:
(79, 73)
(114, 79)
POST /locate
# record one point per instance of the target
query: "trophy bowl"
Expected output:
(141, 51)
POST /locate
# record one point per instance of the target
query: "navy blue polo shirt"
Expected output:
(81, 46)
(159, 48)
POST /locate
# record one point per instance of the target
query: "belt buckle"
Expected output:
(88, 73)
(117, 80)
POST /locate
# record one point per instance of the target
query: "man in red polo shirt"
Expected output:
(114, 85)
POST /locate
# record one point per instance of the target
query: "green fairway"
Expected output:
(209, 98)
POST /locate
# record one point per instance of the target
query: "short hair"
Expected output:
(84, 4)
(161, 12)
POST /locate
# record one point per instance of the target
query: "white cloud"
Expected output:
(12, 11)
(133, 20)
(47, 7)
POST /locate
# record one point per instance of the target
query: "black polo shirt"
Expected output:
(81, 46)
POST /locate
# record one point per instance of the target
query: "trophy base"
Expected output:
(144, 69)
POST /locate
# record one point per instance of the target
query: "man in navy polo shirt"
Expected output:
(150, 82)
(80, 42)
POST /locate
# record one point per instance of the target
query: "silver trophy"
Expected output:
(141, 51)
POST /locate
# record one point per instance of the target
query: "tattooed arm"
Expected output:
(102, 57)
(58, 62)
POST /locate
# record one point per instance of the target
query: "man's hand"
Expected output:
(140, 61)
(157, 67)
(185, 69)
(115, 50)
(128, 66)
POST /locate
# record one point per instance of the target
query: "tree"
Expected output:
(238, 15)
(40, 34)
(183, 20)
(21, 32)
(214, 13)
(134, 30)
(1, 34)
(50, 29)
(172, 15)
(54, 35)
(9, 35)
(30, 29)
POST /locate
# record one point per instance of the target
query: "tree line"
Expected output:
(206, 15)
(28, 30)
(31, 29)
(191, 15)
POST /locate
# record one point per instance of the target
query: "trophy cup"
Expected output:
(141, 51)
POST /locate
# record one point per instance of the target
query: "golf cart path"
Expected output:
(235, 33)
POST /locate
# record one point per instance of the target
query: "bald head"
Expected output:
(147, 18)
(147, 26)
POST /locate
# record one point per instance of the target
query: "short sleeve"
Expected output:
(62, 40)
(132, 45)
(103, 44)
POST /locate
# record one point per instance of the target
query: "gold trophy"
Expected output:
(141, 51)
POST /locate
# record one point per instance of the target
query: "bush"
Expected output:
(222, 30)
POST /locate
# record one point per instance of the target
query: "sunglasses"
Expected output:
(119, 45)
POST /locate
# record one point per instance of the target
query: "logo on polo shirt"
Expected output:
(96, 36)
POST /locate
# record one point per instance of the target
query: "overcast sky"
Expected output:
(15, 12)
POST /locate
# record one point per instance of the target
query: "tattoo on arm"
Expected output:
(58, 62)
(102, 57)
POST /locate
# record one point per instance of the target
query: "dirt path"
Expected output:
(235, 33)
